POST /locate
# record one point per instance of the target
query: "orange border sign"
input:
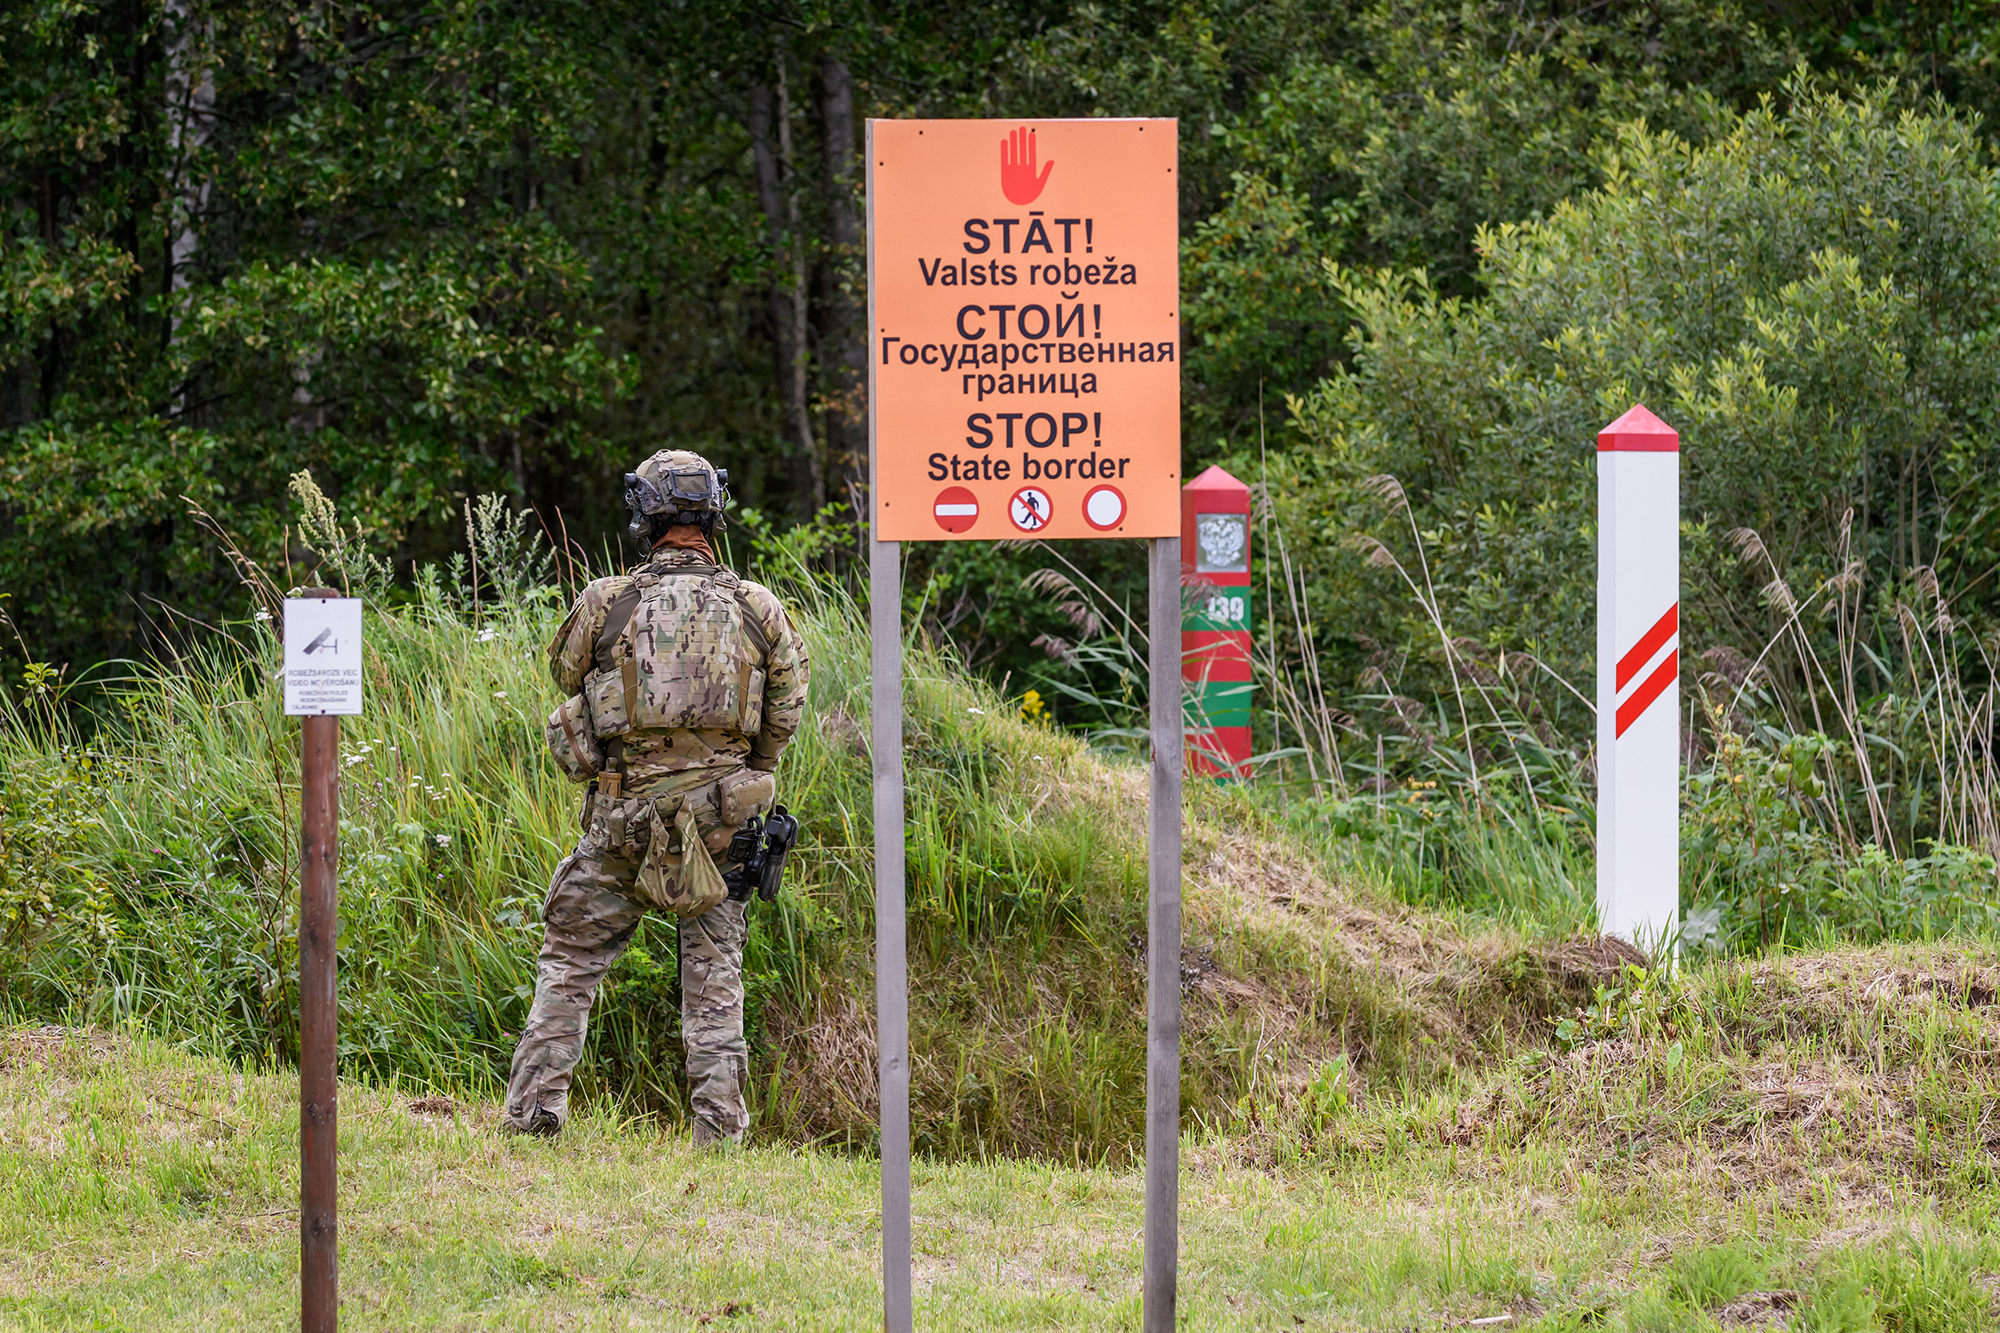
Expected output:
(1024, 287)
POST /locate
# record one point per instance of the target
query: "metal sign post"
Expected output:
(1163, 940)
(892, 972)
(1638, 680)
(322, 682)
(1024, 381)
(892, 976)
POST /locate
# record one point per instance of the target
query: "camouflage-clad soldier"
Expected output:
(685, 684)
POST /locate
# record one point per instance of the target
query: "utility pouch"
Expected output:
(678, 875)
(622, 825)
(572, 742)
(741, 794)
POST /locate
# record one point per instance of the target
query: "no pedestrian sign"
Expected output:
(322, 656)
(1024, 288)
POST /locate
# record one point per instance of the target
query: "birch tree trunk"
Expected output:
(843, 278)
(190, 87)
(777, 194)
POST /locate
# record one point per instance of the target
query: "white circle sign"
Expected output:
(1104, 507)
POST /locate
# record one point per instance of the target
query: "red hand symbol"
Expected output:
(1018, 180)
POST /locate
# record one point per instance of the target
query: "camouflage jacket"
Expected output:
(670, 651)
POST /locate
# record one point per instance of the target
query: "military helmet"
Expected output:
(675, 486)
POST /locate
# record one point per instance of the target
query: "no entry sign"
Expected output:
(956, 509)
(1026, 340)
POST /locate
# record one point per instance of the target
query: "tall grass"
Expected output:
(1838, 782)
(148, 851)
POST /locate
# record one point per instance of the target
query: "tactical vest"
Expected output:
(680, 650)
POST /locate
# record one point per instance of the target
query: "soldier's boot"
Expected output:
(542, 1125)
(708, 1136)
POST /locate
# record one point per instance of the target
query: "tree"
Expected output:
(240, 242)
(1809, 298)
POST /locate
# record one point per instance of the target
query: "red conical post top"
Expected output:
(1638, 431)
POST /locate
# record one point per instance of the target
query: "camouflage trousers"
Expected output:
(590, 917)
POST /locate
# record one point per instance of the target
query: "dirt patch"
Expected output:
(1960, 980)
(52, 1046)
(1585, 964)
(432, 1108)
(1542, 980)
(1873, 1005)
(844, 731)
(1865, 1233)
(1759, 1309)
(1855, 981)
(830, 1049)
(1476, 1117)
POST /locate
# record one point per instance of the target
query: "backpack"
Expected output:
(681, 650)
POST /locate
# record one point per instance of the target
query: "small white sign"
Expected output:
(322, 656)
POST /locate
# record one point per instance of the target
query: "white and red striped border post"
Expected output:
(1638, 674)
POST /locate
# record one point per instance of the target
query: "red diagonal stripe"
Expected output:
(1642, 651)
(1629, 711)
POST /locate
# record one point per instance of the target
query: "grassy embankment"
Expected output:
(1396, 1118)
(147, 872)
(1806, 1138)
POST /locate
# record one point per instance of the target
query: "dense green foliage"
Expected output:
(436, 249)
(428, 249)
(240, 241)
(1809, 298)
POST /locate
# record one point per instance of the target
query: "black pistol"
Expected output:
(759, 850)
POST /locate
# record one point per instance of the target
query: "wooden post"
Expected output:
(319, 823)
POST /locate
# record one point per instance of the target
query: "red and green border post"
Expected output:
(1215, 623)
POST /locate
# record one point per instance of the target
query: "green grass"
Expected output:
(1416, 1090)
(147, 873)
(1806, 1145)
